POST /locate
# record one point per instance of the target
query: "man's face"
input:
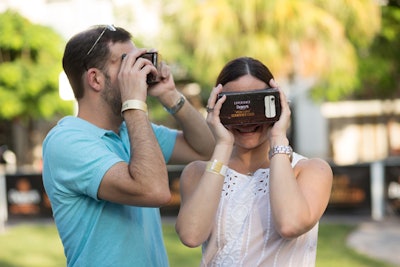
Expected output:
(115, 60)
(111, 93)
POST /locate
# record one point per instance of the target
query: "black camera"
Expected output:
(155, 58)
(250, 107)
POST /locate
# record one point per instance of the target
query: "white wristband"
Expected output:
(216, 167)
(134, 104)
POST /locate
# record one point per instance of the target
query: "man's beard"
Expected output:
(112, 96)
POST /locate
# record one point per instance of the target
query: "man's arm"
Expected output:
(144, 180)
(195, 141)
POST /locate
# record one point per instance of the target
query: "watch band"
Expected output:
(288, 150)
(175, 108)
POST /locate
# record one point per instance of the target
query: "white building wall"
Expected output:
(363, 131)
(310, 127)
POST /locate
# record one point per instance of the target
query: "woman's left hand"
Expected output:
(279, 129)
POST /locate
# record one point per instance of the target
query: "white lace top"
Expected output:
(244, 232)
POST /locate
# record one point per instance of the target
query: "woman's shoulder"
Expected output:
(297, 157)
(302, 163)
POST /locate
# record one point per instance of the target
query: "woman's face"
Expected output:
(247, 136)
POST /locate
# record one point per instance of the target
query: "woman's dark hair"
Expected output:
(242, 66)
(76, 59)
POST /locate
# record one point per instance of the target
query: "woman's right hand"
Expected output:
(221, 134)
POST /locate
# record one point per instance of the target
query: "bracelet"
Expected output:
(175, 108)
(281, 150)
(216, 167)
(134, 104)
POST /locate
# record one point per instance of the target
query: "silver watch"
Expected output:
(174, 109)
(288, 150)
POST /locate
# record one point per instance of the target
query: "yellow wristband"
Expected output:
(134, 104)
(216, 167)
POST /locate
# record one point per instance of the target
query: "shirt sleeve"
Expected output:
(166, 138)
(76, 162)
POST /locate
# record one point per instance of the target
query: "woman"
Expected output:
(255, 203)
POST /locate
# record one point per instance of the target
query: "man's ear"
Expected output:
(95, 79)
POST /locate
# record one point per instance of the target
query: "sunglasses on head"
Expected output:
(106, 27)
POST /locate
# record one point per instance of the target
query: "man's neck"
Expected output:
(101, 119)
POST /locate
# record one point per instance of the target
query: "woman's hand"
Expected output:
(221, 134)
(277, 134)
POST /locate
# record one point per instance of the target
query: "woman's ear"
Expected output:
(95, 79)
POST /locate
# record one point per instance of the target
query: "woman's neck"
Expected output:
(248, 161)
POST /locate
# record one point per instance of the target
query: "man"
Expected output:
(104, 170)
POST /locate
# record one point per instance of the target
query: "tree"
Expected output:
(30, 57)
(380, 64)
(316, 40)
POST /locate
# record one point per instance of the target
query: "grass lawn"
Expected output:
(333, 252)
(39, 246)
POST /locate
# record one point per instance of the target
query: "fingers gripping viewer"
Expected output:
(256, 202)
(105, 169)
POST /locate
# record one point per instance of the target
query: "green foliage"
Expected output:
(361, 19)
(318, 39)
(380, 65)
(30, 57)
